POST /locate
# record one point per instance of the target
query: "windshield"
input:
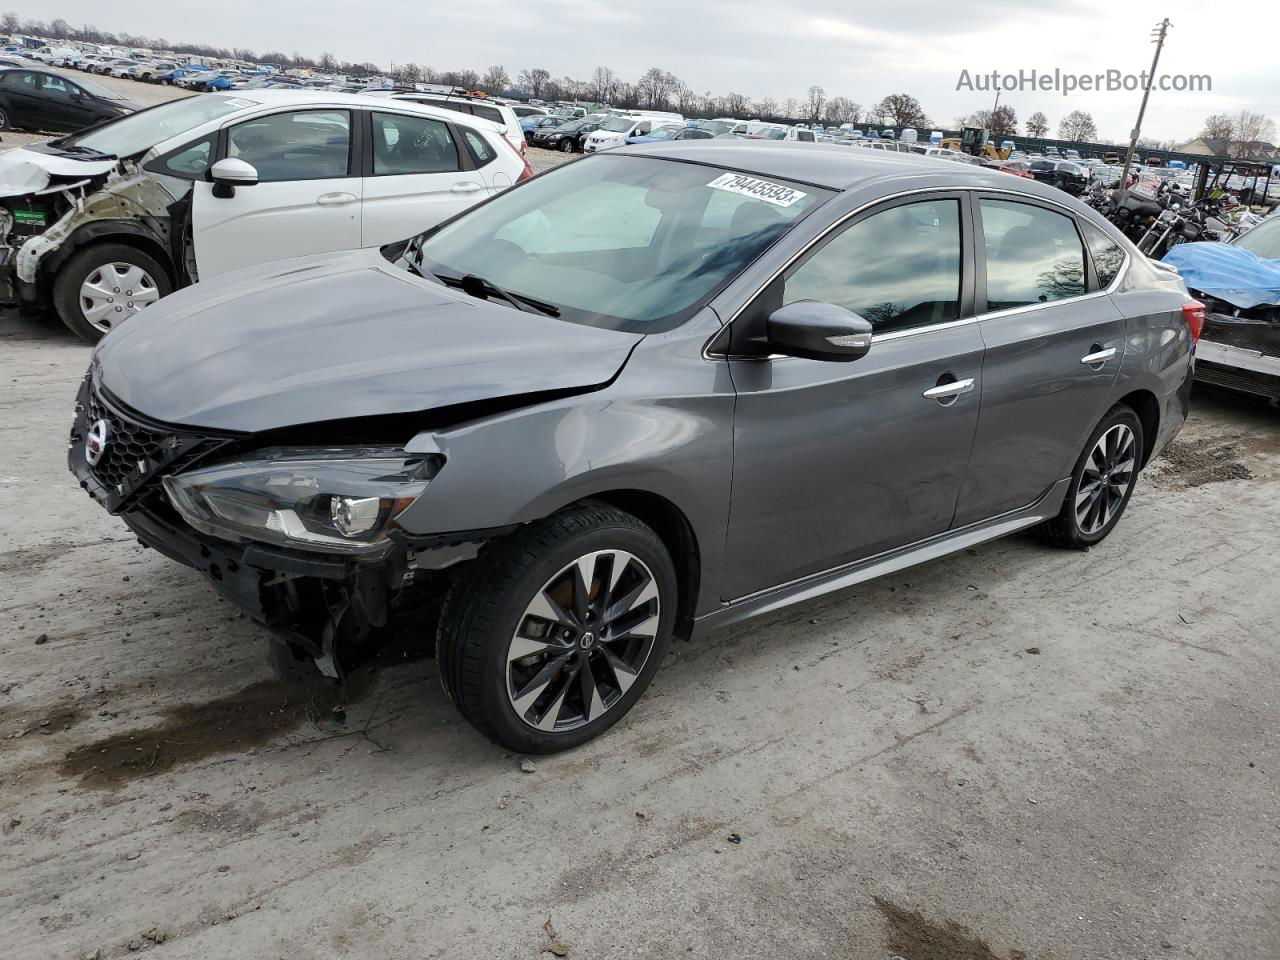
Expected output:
(770, 133)
(716, 127)
(622, 242)
(1263, 240)
(618, 124)
(139, 132)
(97, 89)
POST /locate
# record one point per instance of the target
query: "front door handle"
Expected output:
(467, 187)
(1098, 356)
(335, 199)
(949, 391)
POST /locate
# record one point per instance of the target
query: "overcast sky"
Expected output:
(773, 48)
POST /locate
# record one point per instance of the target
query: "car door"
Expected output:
(68, 106)
(1054, 346)
(26, 109)
(836, 462)
(307, 199)
(420, 171)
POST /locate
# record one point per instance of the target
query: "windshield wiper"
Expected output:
(87, 151)
(480, 288)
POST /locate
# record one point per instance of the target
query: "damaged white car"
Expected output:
(100, 224)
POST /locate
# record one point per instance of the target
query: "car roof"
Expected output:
(822, 165)
(279, 97)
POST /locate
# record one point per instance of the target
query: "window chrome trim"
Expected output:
(902, 334)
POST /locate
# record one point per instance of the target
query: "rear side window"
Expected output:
(482, 151)
(897, 269)
(1033, 255)
(404, 144)
(489, 113)
(1108, 257)
(303, 145)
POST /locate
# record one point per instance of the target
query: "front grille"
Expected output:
(138, 452)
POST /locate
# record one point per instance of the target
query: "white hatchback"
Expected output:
(198, 187)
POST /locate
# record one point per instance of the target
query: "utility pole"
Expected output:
(1159, 33)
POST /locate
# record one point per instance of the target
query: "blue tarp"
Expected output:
(1229, 273)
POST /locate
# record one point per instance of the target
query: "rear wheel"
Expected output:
(104, 285)
(566, 146)
(1102, 483)
(4, 119)
(553, 635)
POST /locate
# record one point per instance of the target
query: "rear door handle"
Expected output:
(335, 199)
(467, 187)
(947, 391)
(1098, 356)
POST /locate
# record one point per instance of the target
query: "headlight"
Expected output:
(334, 501)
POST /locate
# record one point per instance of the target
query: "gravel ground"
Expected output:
(1010, 753)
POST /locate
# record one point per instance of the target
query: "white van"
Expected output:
(634, 123)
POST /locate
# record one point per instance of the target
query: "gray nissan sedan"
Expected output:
(640, 397)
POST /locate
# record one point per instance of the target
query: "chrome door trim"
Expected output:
(948, 390)
(1099, 358)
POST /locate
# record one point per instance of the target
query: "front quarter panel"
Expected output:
(664, 426)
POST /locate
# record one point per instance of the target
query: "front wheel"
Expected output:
(566, 146)
(4, 119)
(553, 635)
(104, 285)
(1102, 483)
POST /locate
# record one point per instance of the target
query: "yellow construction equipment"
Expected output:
(973, 141)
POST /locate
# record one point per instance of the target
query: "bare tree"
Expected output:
(534, 80)
(1219, 126)
(842, 110)
(791, 108)
(735, 104)
(11, 23)
(1037, 124)
(603, 84)
(902, 110)
(1077, 125)
(410, 73)
(468, 78)
(686, 99)
(656, 87)
(496, 79)
(328, 62)
(1253, 132)
(817, 100)
(768, 107)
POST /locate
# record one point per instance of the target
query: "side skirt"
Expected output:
(849, 575)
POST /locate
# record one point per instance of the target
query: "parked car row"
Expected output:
(42, 100)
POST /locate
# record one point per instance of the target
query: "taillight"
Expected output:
(1193, 313)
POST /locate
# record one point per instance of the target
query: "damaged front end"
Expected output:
(1240, 348)
(51, 205)
(303, 540)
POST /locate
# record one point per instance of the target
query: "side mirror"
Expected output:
(818, 331)
(229, 173)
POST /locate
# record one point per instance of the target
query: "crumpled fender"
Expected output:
(134, 195)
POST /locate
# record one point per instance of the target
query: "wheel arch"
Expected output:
(676, 533)
(106, 231)
(1147, 407)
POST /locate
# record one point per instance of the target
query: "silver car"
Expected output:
(638, 398)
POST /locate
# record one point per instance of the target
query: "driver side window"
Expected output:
(302, 145)
(897, 269)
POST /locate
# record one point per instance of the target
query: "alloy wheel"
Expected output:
(582, 641)
(114, 292)
(566, 146)
(1108, 474)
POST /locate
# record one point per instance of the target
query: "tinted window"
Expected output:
(53, 86)
(1263, 240)
(306, 145)
(480, 148)
(899, 268)
(1033, 255)
(20, 80)
(489, 113)
(1108, 256)
(403, 144)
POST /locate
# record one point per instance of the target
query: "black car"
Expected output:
(43, 100)
(567, 137)
(1063, 174)
(542, 123)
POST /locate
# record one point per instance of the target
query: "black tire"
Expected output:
(488, 602)
(4, 118)
(566, 145)
(1066, 529)
(66, 286)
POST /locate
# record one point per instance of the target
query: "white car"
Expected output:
(198, 187)
(615, 129)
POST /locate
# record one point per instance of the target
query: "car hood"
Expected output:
(337, 336)
(25, 171)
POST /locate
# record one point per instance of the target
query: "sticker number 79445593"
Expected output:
(774, 193)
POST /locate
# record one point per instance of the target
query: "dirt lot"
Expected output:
(1011, 753)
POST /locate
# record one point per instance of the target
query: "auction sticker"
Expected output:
(774, 193)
